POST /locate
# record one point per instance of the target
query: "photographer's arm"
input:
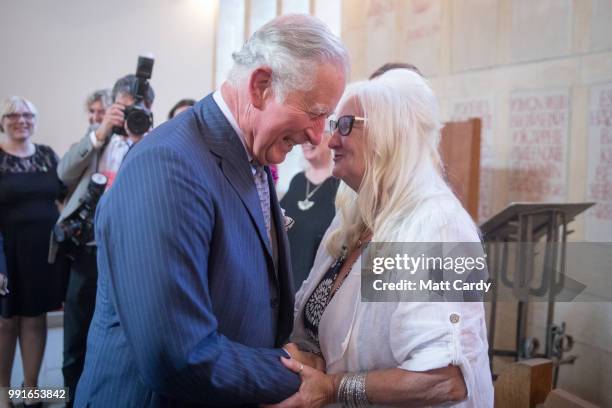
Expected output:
(76, 160)
(74, 163)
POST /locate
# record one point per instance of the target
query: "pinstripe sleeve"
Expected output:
(156, 224)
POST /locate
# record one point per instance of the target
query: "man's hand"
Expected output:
(305, 357)
(113, 117)
(317, 389)
(3, 284)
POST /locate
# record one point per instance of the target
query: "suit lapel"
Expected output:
(225, 143)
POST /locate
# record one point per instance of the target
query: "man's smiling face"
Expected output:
(300, 118)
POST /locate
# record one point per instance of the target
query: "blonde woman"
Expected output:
(29, 188)
(385, 141)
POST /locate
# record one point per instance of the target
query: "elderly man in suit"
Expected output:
(194, 293)
(98, 151)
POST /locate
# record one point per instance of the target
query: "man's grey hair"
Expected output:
(292, 46)
(102, 95)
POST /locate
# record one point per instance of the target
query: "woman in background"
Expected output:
(310, 202)
(29, 188)
(180, 106)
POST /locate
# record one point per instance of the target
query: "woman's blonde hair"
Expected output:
(402, 163)
(12, 104)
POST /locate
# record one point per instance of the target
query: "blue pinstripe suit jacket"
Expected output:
(189, 308)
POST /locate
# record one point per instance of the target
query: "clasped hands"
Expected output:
(317, 389)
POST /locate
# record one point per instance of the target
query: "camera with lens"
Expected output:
(78, 229)
(138, 119)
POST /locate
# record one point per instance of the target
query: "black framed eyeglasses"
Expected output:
(344, 124)
(15, 116)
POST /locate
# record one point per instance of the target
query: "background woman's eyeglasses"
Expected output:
(16, 116)
(344, 124)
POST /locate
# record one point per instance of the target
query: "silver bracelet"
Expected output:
(352, 391)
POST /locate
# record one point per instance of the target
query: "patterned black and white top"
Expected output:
(29, 187)
(320, 298)
(43, 160)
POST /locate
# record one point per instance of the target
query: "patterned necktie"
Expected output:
(263, 190)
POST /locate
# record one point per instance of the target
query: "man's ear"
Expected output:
(260, 86)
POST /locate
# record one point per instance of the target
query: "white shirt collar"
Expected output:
(230, 118)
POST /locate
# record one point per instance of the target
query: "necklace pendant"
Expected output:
(305, 204)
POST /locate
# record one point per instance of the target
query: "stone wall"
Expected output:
(539, 74)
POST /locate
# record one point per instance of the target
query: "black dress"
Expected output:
(310, 225)
(28, 189)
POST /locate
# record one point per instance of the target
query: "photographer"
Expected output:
(101, 150)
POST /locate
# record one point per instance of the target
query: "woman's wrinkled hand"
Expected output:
(305, 357)
(317, 389)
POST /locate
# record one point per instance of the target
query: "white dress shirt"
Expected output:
(218, 98)
(266, 211)
(112, 156)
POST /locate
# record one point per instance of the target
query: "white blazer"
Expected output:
(416, 336)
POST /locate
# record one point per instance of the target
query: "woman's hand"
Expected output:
(305, 357)
(317, 390)
(3, 285)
